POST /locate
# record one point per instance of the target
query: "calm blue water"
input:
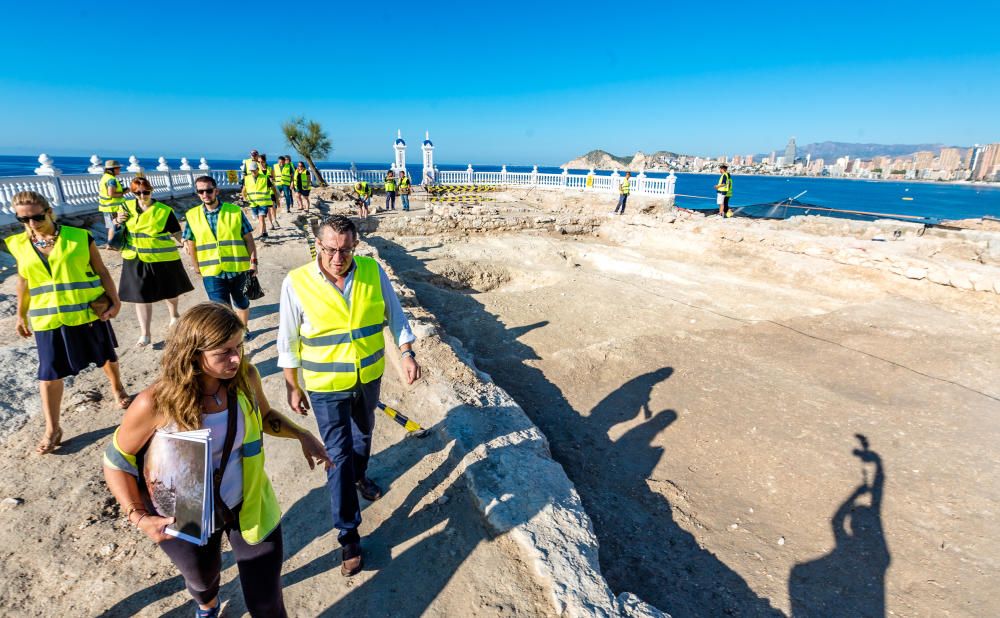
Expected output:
(932, 200)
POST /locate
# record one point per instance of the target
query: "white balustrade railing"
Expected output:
(77, 193)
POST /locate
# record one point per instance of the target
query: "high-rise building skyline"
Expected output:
(790, 152)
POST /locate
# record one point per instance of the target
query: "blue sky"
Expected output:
(495, 83)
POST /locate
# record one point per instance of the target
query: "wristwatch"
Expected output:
(409, 353)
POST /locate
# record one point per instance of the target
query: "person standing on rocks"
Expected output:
(331, 317)
(404, 189)
(110, 196)
(65, 297)
(303, 184)
(724, 191)
(151, 264)
(204, 383)
(364, 191)
(283, 180)
(390, 191)
(623, 191)
(219, 240)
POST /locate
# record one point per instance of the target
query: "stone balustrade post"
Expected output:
(185, 165)
(588, 184)
(354, 172)
(203, 165)
(468, 174)
(46, 168)
(163, 167)
(640, 181)
(96, 165)
(133, 165)
(565, 177)
(615, 180)
(503, 175)
(534, 176)
(671, 184)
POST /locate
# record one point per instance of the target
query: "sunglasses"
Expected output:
(35, 218)
(205, 191)
(143, 192)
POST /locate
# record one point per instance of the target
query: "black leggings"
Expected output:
(259, 566)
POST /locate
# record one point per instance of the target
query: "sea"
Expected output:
(754, 196)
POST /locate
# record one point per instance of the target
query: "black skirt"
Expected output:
(149, 282)
(68, 350)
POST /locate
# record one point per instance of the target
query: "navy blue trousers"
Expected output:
(346, 421)
(620, 208)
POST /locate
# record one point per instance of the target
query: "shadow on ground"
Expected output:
(643, 549)
(850, 580)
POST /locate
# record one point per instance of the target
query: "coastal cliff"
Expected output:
(602, 160)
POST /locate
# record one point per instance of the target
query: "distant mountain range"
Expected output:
(829, 151)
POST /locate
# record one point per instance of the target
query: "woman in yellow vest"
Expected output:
(203, 369)
(65, 296)
(303, 184)
(151, 263)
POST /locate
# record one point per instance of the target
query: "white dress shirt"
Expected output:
(292, 317)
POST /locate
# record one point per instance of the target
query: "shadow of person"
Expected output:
(850, 580)
(642, 548)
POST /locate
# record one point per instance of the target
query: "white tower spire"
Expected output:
(428, 149)
(400, 147)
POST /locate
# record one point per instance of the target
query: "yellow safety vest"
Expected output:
(306, 181)
(363, 189)
(340, 342)
(390, 183)
(146, 237)
(60, 295)
(404, 185)
(260, 513)
(246, 165)
(626, 187)
(283, 174)
(224, 251)
(727, 183)
(258, 191)
(106, 203)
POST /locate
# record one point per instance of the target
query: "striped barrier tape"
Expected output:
(463, 188)
(407, 424)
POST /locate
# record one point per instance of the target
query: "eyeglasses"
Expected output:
(143, 192)
(36, 218)
(206, 191)
(333, 252)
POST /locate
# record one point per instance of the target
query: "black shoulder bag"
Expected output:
(223, 514)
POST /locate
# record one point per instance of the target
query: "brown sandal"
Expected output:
(49, 443)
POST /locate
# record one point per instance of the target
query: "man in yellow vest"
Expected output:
(110, 196)
(258, 191)
(330, 327)
(219, 240)
(283, 180)
(724, 191)
(623, 191)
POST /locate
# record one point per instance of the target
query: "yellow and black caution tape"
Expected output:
(461, 199)
(311, 236)
(410, 426)
(434, 189)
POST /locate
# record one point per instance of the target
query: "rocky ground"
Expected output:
(760, 418)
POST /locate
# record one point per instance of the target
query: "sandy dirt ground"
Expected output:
(753, 432)
(64, 550)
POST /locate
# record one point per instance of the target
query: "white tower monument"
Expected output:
(428, 149)
(400, 147)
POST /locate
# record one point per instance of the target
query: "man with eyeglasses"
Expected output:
(331, 319)
(219, 239)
